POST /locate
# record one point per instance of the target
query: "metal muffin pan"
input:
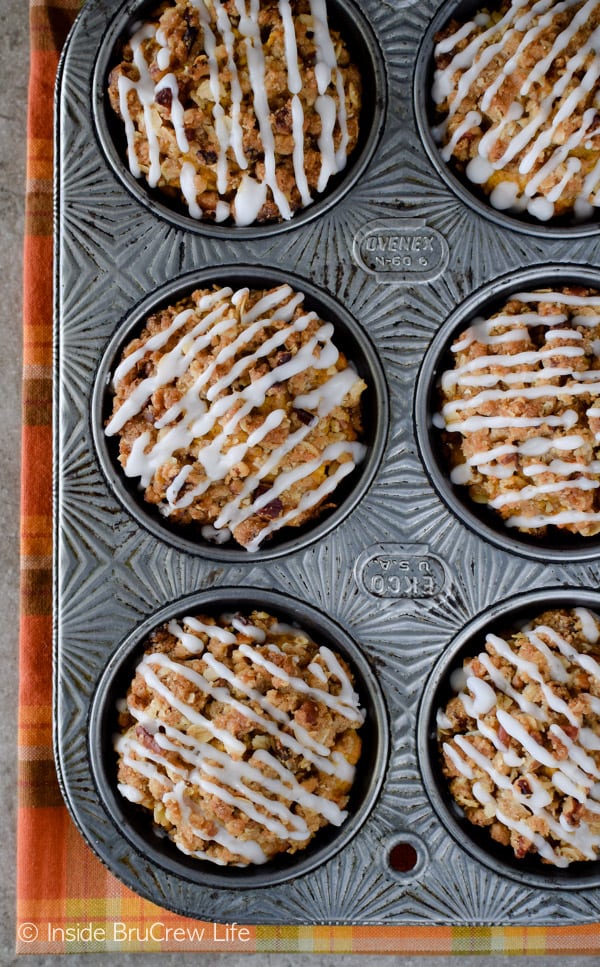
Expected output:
(401, 575)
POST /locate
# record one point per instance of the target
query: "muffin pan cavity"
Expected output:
(137, 825)
(556, 544)
(465, 188)
(503, 619)
(347, 337)
(344, 17)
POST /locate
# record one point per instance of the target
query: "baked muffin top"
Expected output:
(237, 413)
(240, 735)
(240, 111)
(520, 741)
(520, 411)
(517, 92)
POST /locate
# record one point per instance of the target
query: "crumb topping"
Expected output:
(517, 93)
(240, 109)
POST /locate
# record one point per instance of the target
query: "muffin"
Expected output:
(520, 738)
(237, 413)
(520, 412)
(516, 90)
(240, 736)
(237, 116)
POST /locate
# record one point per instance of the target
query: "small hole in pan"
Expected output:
(403, 857)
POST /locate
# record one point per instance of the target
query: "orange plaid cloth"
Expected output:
(66, 901)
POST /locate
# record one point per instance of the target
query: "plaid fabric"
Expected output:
(66, 901)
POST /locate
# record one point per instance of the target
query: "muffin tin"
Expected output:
(399, 578)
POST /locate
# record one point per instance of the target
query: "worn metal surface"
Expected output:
(402, 573)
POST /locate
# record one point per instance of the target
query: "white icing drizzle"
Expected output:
(518, 325)
(536, 144)
(589, 664)
(236, 133)
(130, 792)
(472, 120)
(250, 851)
(589, 627)
(344, 703)
(197, 413)
(317, 671)
(528, 493)
(194, 644)
(529, 358)
(222, 671)
(251, 194)
(473, 423)
(485, 697)
(154, 682)
(514, 373)
(127, 745)
(574, 772)
(462, 766)
(310, 498)
(256, 66)
(233, 775)
(144, 88)
(187, 183)
(528, 392)
(295, 87)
